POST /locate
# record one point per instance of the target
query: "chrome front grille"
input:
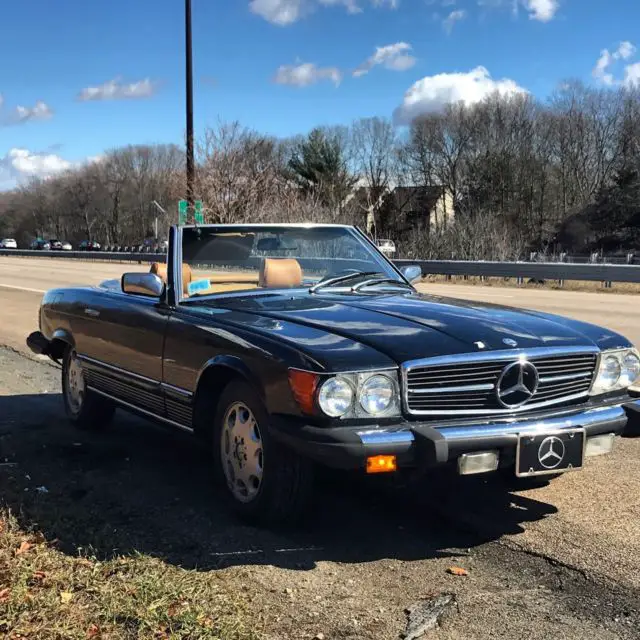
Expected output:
(466, 384)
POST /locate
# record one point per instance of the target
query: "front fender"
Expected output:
(235, 365)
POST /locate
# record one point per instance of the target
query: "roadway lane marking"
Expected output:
(10, 286)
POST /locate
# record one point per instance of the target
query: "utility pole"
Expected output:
(189, 76)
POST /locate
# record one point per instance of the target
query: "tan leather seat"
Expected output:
(160, 269)
(280, 273)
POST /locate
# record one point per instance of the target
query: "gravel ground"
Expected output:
(557, 562)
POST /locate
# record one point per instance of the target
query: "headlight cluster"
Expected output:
(357, 395)
(618, 369)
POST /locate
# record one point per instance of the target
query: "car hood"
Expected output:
(411, 326)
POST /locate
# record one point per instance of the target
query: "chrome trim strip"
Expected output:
(506, 354)
(179, 391)
(472, 387)
(569, 376)
(137, 409)
(386, 437)
(499, 412)
(493, 356)
(350, 371)
(176, 391)
(608, 417)
(124, 372)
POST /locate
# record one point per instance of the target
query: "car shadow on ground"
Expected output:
(136, 487)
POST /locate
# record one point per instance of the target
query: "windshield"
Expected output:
(224, 259)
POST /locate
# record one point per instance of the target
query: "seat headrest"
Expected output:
(160, 269)
(280, 273)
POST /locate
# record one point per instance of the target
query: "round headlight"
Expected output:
(335, 397)
(610, 371)
(377, 394)
(630, 369)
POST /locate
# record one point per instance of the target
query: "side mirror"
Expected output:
(412, 272)
(142, 284)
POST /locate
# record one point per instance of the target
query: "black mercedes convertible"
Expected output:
(285, 347)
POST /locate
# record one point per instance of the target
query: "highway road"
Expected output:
(35, 275)
(583, 529)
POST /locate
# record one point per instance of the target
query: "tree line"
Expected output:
(521, 175)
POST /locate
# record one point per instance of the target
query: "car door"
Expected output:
(119, 337)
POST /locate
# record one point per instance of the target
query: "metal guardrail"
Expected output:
(110, 256)
(560, 271)
(537, 270)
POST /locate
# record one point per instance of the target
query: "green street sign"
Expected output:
(199, 216)
(183, 208)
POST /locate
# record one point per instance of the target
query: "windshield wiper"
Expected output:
(343, 278)
(375, 281)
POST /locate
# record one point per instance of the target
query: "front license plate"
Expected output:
(551, 452)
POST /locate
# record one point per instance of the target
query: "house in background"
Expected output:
(403, 209)
(408, 208)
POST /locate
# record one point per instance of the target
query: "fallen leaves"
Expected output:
(23, 548)
(5, 594)
(93, 631)
(66, 597)
(457, 571)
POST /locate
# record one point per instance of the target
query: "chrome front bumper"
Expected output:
(608, 419)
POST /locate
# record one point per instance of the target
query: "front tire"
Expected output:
(85, 409)
(265, 482)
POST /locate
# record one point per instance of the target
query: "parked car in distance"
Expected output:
(66, 246)
(56, 245)
(386, 246)
(285, 347)
(40, 245)
(89, 245)
(8, 243)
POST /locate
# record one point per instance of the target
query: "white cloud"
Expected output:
(432, 93)
(286, 12)
(395, 57)
(542, 10)
(625, 50)
(116, 90)
(20, 115)
(20, 163)
(280, 12)
(601, 70)
(450, 21)
(40, 111)
(632, 76)
(305, 74)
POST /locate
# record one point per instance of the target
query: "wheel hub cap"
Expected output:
(241, 452)
(75, 383)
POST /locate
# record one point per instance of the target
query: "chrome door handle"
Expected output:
(94, 313)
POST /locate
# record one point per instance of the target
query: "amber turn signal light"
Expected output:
(381, 464)
(303, 386)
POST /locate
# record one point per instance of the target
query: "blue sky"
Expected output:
(280, 66)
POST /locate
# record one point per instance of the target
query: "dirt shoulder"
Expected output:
(143, 495)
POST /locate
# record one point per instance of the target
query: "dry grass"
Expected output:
(569, 285)
(47, 594)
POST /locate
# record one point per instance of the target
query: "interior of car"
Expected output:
(275, 273)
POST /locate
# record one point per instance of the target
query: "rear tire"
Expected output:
(85, 409)
(264, 482)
